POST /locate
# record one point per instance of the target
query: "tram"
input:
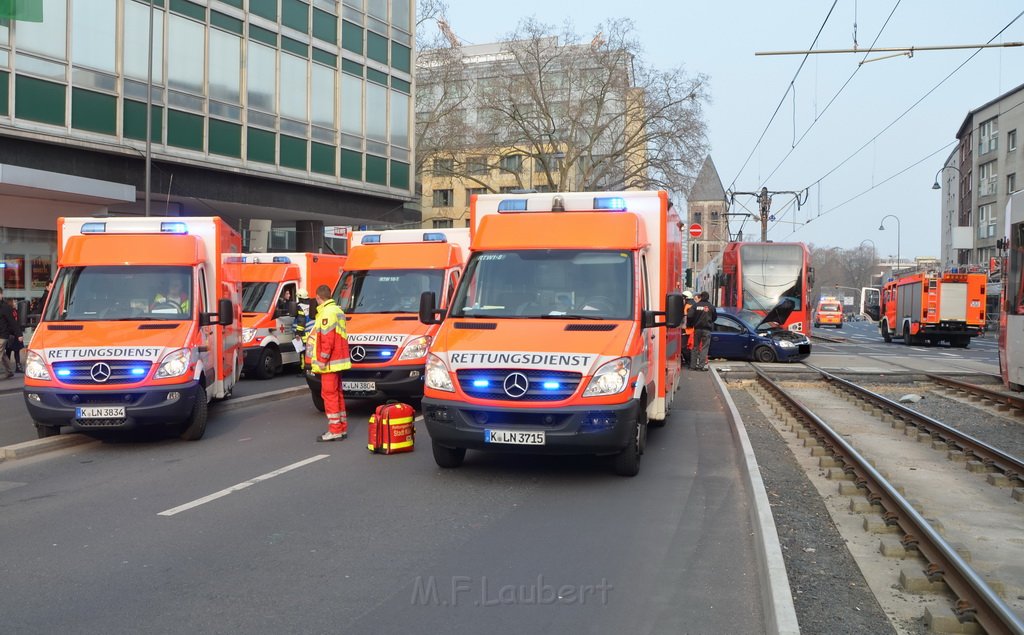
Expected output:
(759, 276)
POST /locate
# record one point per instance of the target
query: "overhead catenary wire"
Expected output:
(782, 100)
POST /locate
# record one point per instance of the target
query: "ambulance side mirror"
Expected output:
(674, 303)
(225, 314)
(428, 309)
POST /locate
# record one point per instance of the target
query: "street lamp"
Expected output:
(881, 227)
(936, 186)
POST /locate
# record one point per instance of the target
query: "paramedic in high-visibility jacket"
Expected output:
(328, 356)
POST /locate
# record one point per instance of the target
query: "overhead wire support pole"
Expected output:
(764, 202)
(905, 50)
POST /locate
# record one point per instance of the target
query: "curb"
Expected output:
(777, 598)
(241, 402)
(39, 446)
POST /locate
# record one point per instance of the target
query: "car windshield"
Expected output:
(772, 273)
(95, 293)
(751, 319)
(547, 283)
(386, 290)
(257, 296)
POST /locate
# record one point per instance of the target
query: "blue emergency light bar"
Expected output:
(94, 228)
(512, 205)
(481, 383)
(611, 203)
(434, 237)
(174, 228)
(370, 239)
(64, 372)
(283, 259)
(551, 385)
(138, 371)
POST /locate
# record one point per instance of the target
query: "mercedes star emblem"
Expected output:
(100, 372)
(358, 353)
(516, 385)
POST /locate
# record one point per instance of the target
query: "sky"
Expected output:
(854, 174)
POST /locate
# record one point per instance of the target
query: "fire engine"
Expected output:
(928, 308)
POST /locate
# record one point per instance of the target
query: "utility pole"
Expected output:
(764, 203)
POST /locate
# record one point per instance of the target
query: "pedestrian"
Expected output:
(10, 332)
(687, 329)
(701, 317)
(14, 345)
(328, 343)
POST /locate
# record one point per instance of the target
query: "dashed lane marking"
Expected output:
(244, 484)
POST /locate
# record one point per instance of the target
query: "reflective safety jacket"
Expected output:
(328, 340)
(181, 302)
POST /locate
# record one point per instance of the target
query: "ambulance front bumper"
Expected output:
(597, 429)
(144, 406)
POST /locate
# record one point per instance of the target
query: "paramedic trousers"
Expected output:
(8, 365)
(701, 343)
(334, 403)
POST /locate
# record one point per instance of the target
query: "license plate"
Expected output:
(513, 437)
(100, 412)
(358, 386)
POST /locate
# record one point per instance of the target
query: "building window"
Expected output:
(442, 198)
(1011, 140)
(351, 105)
(477, 165)
(508, 189)
(988, 136)
(554, 162)
(511, 163)
(225, 66)
(261, 77)
(444, 167)
(987, 185)
(1011, 183)
(986, 221)
(696, 217)
(185, 54)
(470, 191)
(441, 223)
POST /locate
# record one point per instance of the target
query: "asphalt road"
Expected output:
(163, 536)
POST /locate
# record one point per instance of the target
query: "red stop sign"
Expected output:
(696, 231)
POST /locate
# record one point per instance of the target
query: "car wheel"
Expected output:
(447, 457)
(195, 426)
(764, 354)
(627, 462)
(43, 431)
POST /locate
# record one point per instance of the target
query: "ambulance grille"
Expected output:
(91, 373)
(371, 353)
(489, 383)
(590, 327)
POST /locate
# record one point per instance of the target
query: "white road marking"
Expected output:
(244, 484)
(949, 354)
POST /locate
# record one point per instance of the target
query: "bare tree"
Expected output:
(835, 266)
(582, 115)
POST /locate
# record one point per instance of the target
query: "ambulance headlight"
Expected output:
(437, 375)
(247, 335)
(415, 349)
(611, 378)
(174, 364)
(35, 367)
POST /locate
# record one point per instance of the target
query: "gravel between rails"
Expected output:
(829, 591)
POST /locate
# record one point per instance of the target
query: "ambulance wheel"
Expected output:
(269, 363)
(43, 431)
(627, 462)
(447, 457)
(318, 401)
(195, 426)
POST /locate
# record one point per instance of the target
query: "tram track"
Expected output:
(932, 561)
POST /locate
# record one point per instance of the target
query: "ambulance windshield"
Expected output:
(547, 283)
(386, 290)
(258, 296)
(97, 293)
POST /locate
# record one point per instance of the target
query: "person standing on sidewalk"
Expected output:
(10, 331)
(701, 317)
(328, 342)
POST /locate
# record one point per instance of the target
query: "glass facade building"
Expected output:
(319, 91)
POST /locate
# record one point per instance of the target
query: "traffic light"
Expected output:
(689, 277)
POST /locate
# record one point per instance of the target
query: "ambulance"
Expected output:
(141, 328)
(268, 325)
(828, 312)
(385, 274)
(563, 336)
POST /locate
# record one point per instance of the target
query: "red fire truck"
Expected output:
(928, 308)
